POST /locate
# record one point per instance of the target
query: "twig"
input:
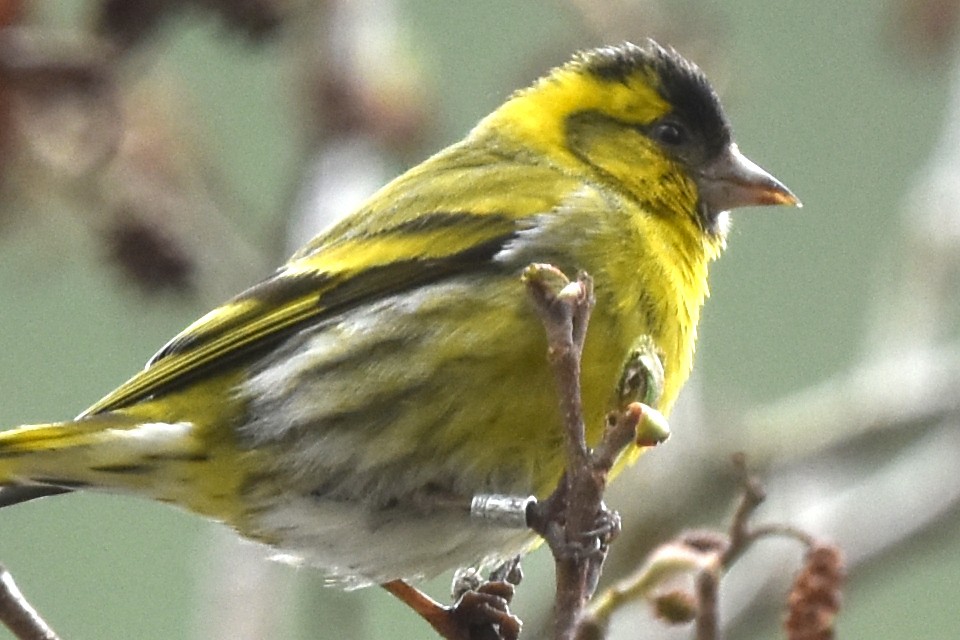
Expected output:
(564, 308)
(572, 510)
(573, 520)
(752, 496)
(707, 555)
(739, 539)
(665, 563)
(18, 615)
(708, 597)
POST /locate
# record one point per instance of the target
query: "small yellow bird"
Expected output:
(395, 363)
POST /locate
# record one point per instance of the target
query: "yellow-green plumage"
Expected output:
(394, 364)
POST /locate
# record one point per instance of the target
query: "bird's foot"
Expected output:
(482, 608)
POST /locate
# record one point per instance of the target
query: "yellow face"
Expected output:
(546, 108)
(639, 120)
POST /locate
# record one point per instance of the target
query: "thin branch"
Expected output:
(706, 555)
(565, 313)
(572, 511)
(708, 597)
(752, 496)
(573, 520)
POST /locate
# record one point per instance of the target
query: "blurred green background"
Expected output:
(828, 96)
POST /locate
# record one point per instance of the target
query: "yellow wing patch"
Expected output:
(439, 219)
(316, 286)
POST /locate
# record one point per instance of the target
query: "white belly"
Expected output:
(356, 548)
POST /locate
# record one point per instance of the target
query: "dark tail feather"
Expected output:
(15, 495)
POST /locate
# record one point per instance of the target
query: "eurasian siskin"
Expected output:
(395, 365)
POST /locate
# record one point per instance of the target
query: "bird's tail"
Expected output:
(113, 452)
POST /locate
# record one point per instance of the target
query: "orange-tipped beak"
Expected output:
(732, 180)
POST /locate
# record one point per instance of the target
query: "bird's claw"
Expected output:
(593, 542)
(484, 613)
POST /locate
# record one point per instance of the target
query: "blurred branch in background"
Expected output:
(879, 444)
(681, 578)
(118, 153)
(18, 615)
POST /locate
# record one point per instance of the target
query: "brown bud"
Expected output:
(814, 601)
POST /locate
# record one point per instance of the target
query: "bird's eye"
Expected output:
(669, 133)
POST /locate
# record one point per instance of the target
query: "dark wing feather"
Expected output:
(438, 220)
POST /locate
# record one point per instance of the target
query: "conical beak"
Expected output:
(732, 180)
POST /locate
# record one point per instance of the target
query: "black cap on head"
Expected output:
(681, 83)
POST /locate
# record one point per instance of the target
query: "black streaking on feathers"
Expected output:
(13, 494)
(176, 457)
(271, 291)
(54, 486)
(130, 469)
(275, 291)
(403, 275)
(202, 353)
(464, 222)
(680, 82)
